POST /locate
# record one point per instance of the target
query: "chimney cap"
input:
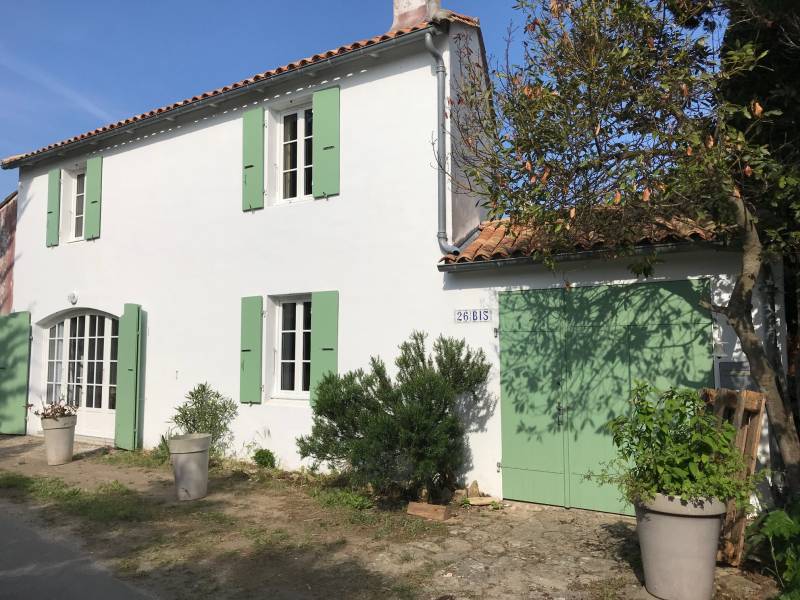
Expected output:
(408, 13)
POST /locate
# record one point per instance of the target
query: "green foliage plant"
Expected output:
(207, 411)
(774, 539)
(671, 443)
(400, 436)
(264, 458)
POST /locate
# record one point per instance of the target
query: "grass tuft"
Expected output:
(341, 498)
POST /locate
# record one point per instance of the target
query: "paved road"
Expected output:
(33, 566)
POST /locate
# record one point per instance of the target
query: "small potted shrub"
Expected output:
(58, 423)
(205, 420)
(678, 465)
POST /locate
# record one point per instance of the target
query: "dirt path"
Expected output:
(271, 537)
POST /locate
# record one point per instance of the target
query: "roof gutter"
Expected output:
(213, 101)
(500, 264)
(441, 133)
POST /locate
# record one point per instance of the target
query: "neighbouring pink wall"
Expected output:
(8, 225)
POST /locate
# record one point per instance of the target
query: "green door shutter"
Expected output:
(324, 337)
(130, 371)
(251, 355)
(531, 375)
(94, 193)
(326, 148)
(15, 353)
(53, 206)
(253, 159)
(567, 368)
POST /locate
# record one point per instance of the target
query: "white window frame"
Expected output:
(61, 379)
(73, 211)
(300, 140)
(297, 393)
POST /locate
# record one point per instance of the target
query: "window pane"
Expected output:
(112, 374)
(306, 376)
(308, 182)
(309, 116)
(287, 345)
(290, 156)
(308, 152)
(114, 327)
(51, 370)
(112, 398)
(306, 345)
(290, 184)
(92, 325)
(101, 326)
(81, 181)
(289, 310)
(100, 347)
(114, 343)
(287, 376)
(78, 226)
(289, 128)
(307, 315)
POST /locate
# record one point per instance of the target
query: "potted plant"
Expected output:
(58, 424)
(677, 464)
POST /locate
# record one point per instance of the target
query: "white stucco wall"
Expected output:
(174, 239)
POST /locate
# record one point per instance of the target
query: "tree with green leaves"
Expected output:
(616, 115)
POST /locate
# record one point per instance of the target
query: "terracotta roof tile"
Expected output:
(452, 17)
(498, 240)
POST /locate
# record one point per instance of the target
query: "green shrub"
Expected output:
(341, 498)
(405, 435)
(264, 458)
(207, 411)
(774, 539)
(671, 443)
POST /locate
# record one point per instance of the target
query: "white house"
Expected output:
(297, 222)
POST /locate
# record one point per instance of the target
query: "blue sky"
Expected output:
(67, 67)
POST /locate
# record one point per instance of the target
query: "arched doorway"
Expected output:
(82, 349)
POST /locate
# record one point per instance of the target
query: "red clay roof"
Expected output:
(498, 240)
(258, 77)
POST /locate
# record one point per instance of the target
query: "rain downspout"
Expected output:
(441, 157)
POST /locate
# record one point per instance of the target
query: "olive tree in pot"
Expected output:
(678, 465)
(58, 424)
(205, 420)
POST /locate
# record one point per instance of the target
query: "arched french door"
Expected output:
(82, 358)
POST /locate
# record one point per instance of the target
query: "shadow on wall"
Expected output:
(571, 356)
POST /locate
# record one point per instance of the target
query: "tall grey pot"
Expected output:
(679, 546)
(189, 456)
(59, 439)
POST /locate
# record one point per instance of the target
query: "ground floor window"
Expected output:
(82, 361)
(294, 345)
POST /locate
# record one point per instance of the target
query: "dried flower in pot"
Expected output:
(58, 423)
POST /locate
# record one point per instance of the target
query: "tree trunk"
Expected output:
(739, 313)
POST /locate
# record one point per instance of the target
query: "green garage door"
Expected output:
(568, 361)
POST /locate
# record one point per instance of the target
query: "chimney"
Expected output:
(412, 12)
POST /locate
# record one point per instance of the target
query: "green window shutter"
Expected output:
(253, 159)
(130, 363)
(326, 147)
(53, 206)
(250, 380)
(324, 336)
(94, 193)
(15, 354)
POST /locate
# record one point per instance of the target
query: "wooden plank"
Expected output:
(432, 512)
(745, 410)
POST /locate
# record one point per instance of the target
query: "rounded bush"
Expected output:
(264, 458)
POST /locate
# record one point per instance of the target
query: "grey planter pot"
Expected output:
(59, 439)
(679, 546)
(189, 457)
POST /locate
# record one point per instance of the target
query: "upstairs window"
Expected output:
(297, 154)
(294, 346)
(78, 206)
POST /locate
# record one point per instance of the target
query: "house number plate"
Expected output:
(473, 315)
